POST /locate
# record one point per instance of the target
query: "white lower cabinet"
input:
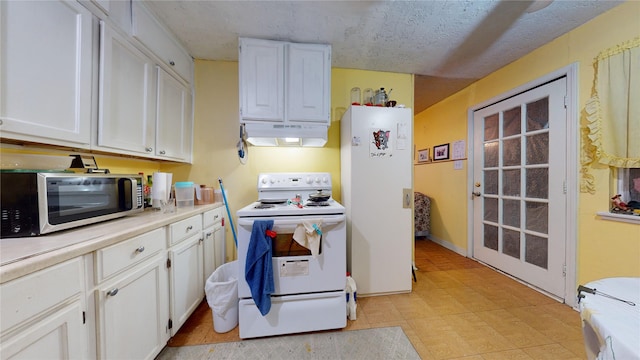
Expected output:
(132, 303)
(213, 241)
(42, 314)
(132, 313)
(56, 336)
(185, 280)
(123, 301)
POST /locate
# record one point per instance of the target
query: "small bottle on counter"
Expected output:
(147, 193)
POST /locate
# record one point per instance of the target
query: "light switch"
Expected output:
(406, 198)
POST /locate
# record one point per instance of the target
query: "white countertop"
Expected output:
(22, 256)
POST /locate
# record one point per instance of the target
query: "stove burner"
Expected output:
(264, 206)
(317, 203)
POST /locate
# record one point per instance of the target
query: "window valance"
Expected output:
(613, 111)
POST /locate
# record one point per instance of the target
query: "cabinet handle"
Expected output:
(162, 152)
(172, 63)
(112, 292)
(189, 228)
(208, 234)
(140, 249)
(148, 149)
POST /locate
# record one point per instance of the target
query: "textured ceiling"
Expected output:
(448, 44)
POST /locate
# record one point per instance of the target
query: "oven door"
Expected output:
(295, 269)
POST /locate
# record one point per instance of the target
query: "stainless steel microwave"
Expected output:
(36, 203)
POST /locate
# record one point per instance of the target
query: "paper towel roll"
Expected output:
(161, 186)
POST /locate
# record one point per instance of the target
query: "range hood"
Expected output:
(270, 134)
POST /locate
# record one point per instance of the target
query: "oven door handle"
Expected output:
(325, 221)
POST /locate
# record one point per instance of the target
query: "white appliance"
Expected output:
(376, 154)
(309, 291)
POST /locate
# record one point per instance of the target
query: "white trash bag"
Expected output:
(221, 289)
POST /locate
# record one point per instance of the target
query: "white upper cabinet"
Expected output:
(117, 11)
(53, 88)
(261, 79)
(174, 124)
(46, 72)
(127, 96)
(284, 82)
(309, 83)
(158, 40)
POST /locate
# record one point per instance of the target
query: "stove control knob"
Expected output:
(317, 180)
(325, 180)
(264, 180)
(273, 181)
(309, 180)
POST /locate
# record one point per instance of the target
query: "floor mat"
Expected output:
(378, 343)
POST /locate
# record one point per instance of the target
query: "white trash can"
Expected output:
(221, 289)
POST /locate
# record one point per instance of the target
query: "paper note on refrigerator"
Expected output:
(403, 136)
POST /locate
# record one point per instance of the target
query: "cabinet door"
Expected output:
(309, 83)
(132, 313)
(154, 36)
(219, 239)
(126, 113)
(60, 335)
(174, 124)
(46, 72)
(213, 248)
(185, 280)
(261, 80)
(209, 253)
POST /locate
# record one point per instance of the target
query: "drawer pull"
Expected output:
(148, 149)
(208, 235)
(140, 249)
(112, 292)
(189, 228)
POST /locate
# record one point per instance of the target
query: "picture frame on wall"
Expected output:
(423, 155)
(441, 152)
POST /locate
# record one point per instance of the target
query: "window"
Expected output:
(628, 185)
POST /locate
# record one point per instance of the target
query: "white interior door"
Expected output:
(519, 192)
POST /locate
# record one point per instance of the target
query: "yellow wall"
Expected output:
(217, 131)
(605, 248)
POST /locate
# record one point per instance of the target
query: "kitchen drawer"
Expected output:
(33, 294)
(212, 216)
(116, 258)
(163, 44)
(183, 229)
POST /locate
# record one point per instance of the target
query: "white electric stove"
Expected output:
(287, 194)
(309, 288)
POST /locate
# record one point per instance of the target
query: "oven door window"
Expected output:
(285, 245)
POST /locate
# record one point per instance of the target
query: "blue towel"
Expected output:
(258, 270)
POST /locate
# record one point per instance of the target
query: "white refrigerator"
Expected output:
(376, 152)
